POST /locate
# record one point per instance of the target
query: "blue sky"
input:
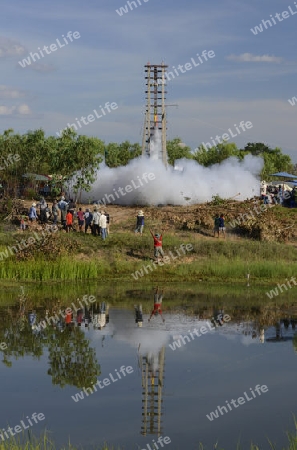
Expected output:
(250, 78)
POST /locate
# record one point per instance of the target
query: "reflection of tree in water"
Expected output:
(20, 342)
(71, 359)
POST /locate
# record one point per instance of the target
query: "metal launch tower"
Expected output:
(152, 368)
(155, 114)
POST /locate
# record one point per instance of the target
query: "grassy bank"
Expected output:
(77, 257)
(44, 443)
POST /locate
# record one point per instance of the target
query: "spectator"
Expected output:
(80, 217)
(88, 220)
(33, 213)
(71, 206)
(139, 222)
(55, 212)
(62, 205)
(96, 226)
(69, 221)
(222, 225)
(107, 222)
(43, 208)
(102, 223)
(216, 226)
(22, 222)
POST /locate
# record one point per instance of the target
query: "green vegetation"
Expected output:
(61, 257)
(274, 160)
(76, 158)
(44, 443)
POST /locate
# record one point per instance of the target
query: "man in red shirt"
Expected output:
(157, 304)
(158, 250)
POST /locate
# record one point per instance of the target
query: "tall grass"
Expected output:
(44, 443)
(123, 254)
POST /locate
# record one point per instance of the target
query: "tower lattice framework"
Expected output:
(155, 113)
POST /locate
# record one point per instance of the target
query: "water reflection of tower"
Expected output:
(152, 367)
(155, 116)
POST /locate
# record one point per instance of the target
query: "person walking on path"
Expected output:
(158, 245)
(139, 222)
(158, 297)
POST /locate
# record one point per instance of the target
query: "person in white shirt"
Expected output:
(102, 224)
(96, 226)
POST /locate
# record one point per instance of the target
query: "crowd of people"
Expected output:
(71, 218)
(279, 196)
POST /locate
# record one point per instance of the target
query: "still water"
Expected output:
(102, 377)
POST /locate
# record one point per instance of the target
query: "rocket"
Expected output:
(155, 118)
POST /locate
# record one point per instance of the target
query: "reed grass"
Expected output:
(45, 443)
(123, 254)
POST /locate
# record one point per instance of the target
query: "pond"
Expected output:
(212, 371)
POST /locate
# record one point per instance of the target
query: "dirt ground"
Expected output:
(263, 222)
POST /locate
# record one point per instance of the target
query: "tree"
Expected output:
(120, 154)
(215, 155)
(177, 150)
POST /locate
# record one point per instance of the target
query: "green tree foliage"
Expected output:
(120, 154)
(274, 159)
(65, 158)
(177, 150)
(215, 155)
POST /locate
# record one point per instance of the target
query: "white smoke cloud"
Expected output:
(132, 184)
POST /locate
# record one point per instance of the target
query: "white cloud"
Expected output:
(9, 47)
(23, 109)
(248, 57)
(8, 92)
(6, 110)
(19, 110)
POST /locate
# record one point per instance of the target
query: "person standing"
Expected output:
(69, 221)
(71, 206)
(107, 222)
(96, 227)
(102, 224)
(43, 207)
(80, 217)
(33, 213)
(55, 212)
(88, 220)
(139, 222)
(222, 228)
(62, 205)
(216, 226)
(158, 245)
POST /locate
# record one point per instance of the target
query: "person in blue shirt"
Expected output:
(33, 213)
(222, 228)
